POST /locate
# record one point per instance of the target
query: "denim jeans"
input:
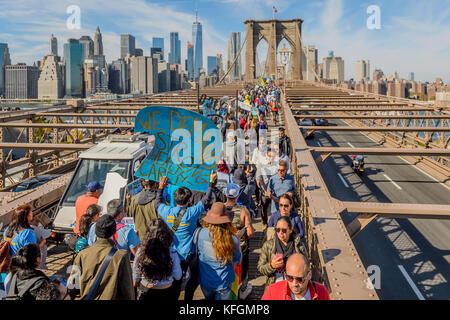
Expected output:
(223, 294)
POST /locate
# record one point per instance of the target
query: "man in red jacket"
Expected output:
(298, 285)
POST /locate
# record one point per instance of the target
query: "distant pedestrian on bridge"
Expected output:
(285, 143)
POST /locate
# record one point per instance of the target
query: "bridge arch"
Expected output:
(274, 31)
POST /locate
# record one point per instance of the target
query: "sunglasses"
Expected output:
(299, 279)
(284, 205)
(282, 170)
(278, 230)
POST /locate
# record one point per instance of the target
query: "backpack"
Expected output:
(263, 125)
(5, 252)
(274, 106)
(81, 244)
(14, 295)
(115, 237)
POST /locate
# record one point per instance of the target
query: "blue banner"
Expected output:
(187, 146)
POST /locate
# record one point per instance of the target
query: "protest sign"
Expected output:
(187, 146)
(245, 106)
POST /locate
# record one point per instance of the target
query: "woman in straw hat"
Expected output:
(218, 250)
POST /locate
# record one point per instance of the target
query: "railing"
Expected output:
(335, 261)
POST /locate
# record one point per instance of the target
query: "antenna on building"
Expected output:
(196, 13)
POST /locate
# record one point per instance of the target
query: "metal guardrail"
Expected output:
(335, 260)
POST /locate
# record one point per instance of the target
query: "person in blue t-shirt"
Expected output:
(19, 231)
(183, 234)
(125, 237)
(218, 250)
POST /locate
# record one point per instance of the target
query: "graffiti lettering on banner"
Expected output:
(187, 146)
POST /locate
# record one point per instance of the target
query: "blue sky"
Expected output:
(414, 35)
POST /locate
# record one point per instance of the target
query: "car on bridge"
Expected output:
(307, 134)
(113, 163)
(35, 182)
(320, 121)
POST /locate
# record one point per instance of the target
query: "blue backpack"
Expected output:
(81, 244)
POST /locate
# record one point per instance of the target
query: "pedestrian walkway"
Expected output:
(256, 279)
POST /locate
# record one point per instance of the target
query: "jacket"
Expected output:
(142, 208)
(285, 146)
(268, 252)
(281, 291)
(23, 276)
(117, 282)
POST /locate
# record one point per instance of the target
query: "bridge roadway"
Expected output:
(413, 254)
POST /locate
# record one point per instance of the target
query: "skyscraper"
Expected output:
(312, 63)
(144, 75)
(21, 81)
(190, 61)
(233, 50)
(88, 44)
(333, 68)
(377, 75)
(197, 41)
(4, 61)
(158, 43)
(73, 56)
(362, 70)
(127, 45)
(175, 49)
(212, 65)
(411, 76)
(50, 83)
(220, 71)
(98, 43)
(138, 52)
(157, 51)
(53, 45)
(118, 76)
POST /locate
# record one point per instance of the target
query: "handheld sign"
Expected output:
(187, 146)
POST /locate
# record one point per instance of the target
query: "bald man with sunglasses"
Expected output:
(298, 284)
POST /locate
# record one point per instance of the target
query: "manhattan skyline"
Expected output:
(410, 39)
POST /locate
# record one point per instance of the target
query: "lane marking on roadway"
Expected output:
(427, 174)
(398, 187)
(351, 145)
(404, 160)
(319, 144)
(343, 180)
(411, 283)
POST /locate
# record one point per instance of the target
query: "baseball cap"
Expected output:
(232, 190)
(94, 186)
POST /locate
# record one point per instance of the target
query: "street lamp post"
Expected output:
(285, 56)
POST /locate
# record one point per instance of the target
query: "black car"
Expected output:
(35, 182)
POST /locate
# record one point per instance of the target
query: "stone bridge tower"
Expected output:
(273, 31)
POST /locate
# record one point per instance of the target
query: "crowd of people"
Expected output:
(182, 238)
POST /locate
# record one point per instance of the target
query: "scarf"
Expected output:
(285, 250)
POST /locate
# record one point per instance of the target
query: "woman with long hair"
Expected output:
(156, 264)
(24, 279)
(93, 213)
(218, 250)
(19, 232)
